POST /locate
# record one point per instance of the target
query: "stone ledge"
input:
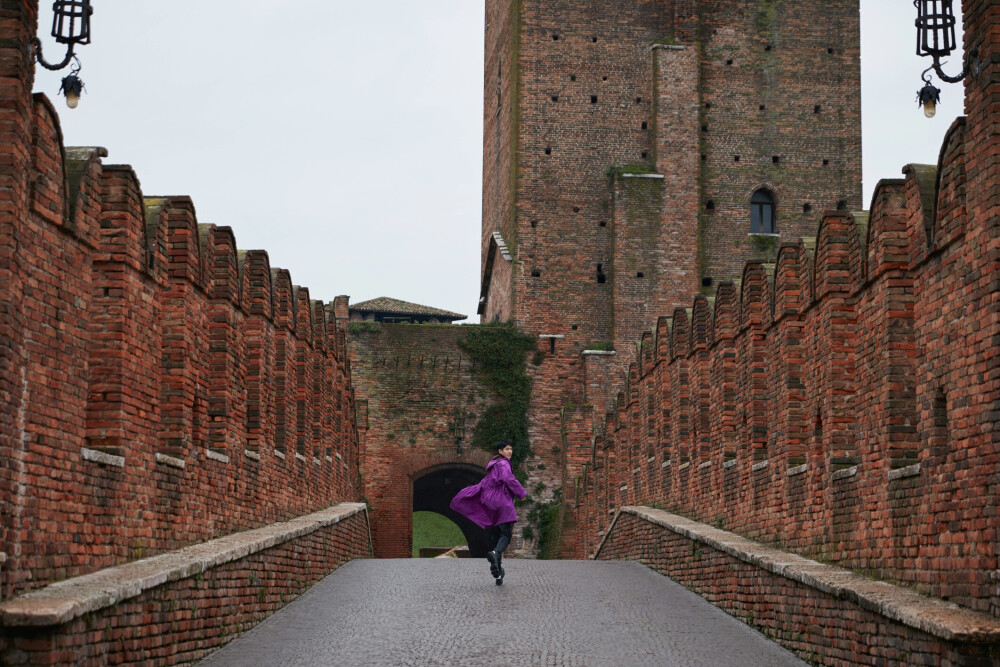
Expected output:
(97, 456)
(902, 473)
(66, 600)
(170, 461)
(216, 456)
(941, 619)
(845, 473)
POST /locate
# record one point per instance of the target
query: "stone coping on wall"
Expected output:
(66, 600)
(936, 617)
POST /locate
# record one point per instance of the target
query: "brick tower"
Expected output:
(637, 151)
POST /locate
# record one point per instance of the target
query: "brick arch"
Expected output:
(771, 188)
(423, 462)
(393, 493)
(432, 488)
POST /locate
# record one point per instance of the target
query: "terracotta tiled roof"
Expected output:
(384, 304)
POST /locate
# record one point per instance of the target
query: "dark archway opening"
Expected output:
(434, 490)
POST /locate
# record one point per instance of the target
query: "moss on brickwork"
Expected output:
(765, 246)
(548, 519)
(501, 351)
(363, 327)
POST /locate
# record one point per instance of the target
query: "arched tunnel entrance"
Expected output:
(435, 488)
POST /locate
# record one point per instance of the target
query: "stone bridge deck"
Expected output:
(449, 612)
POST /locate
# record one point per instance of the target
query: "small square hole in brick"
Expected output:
(645, 125)
(555, 98)
(576, 209)
(604, 78)
(535, 273)
(638, 100)
(572, 77)
(775, 159)
(555, 38)
(704, 128)
(710, 205)
(575, 327)
(645, 155)
(816, 109)
(593, 99)
(534, 223)
(806, 208)
(594, 40)
(736, 158)
(826, 163)
(640, 274)
(603, 223)
(842, 205)
(548, 150)
(767, 48)
(706, 281)
(830, 50)
(708, 105)
(729, 62)
(762, 107)
(704, 158)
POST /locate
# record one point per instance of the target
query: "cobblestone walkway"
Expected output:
(449, 612)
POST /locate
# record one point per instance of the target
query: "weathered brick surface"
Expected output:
(717, 99)
(842, 406)
(181, 621)
(833, 623)
(139, 362)
(415, 382)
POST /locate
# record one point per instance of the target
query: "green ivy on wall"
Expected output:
(501, 351)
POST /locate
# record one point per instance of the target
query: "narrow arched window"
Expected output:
(762, 213)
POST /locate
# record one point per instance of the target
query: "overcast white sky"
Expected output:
(345, 138)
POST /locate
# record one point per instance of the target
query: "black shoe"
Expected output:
(494, 560)
(500, 576)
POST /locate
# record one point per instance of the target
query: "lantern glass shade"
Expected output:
(71, 21)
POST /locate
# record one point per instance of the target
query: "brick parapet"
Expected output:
(178, 606)
(821, 612)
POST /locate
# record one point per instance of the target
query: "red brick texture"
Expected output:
(158, 386)
(716, 99)
(181, 621)
(822, 628)
(414, 382)
(842, 405)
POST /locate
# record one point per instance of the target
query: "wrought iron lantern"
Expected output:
(70, 26)
(936, 38)
(928, 97)
(72, 87)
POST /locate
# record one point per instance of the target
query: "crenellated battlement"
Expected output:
(162, 386)
(831, 401)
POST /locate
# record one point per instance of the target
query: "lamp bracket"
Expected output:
(970, 64)
(47, 65)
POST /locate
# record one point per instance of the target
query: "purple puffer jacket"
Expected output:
(489, 503)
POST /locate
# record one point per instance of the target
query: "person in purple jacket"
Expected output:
(490, 504)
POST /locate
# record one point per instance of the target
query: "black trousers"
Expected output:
(502, 534)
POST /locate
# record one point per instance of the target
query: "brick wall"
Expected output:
(188, 617)
(159, 386)
(840, 406)
(717, 101)
(414, 381)
(825, 615)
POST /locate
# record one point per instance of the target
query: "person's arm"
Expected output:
(507, 475)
